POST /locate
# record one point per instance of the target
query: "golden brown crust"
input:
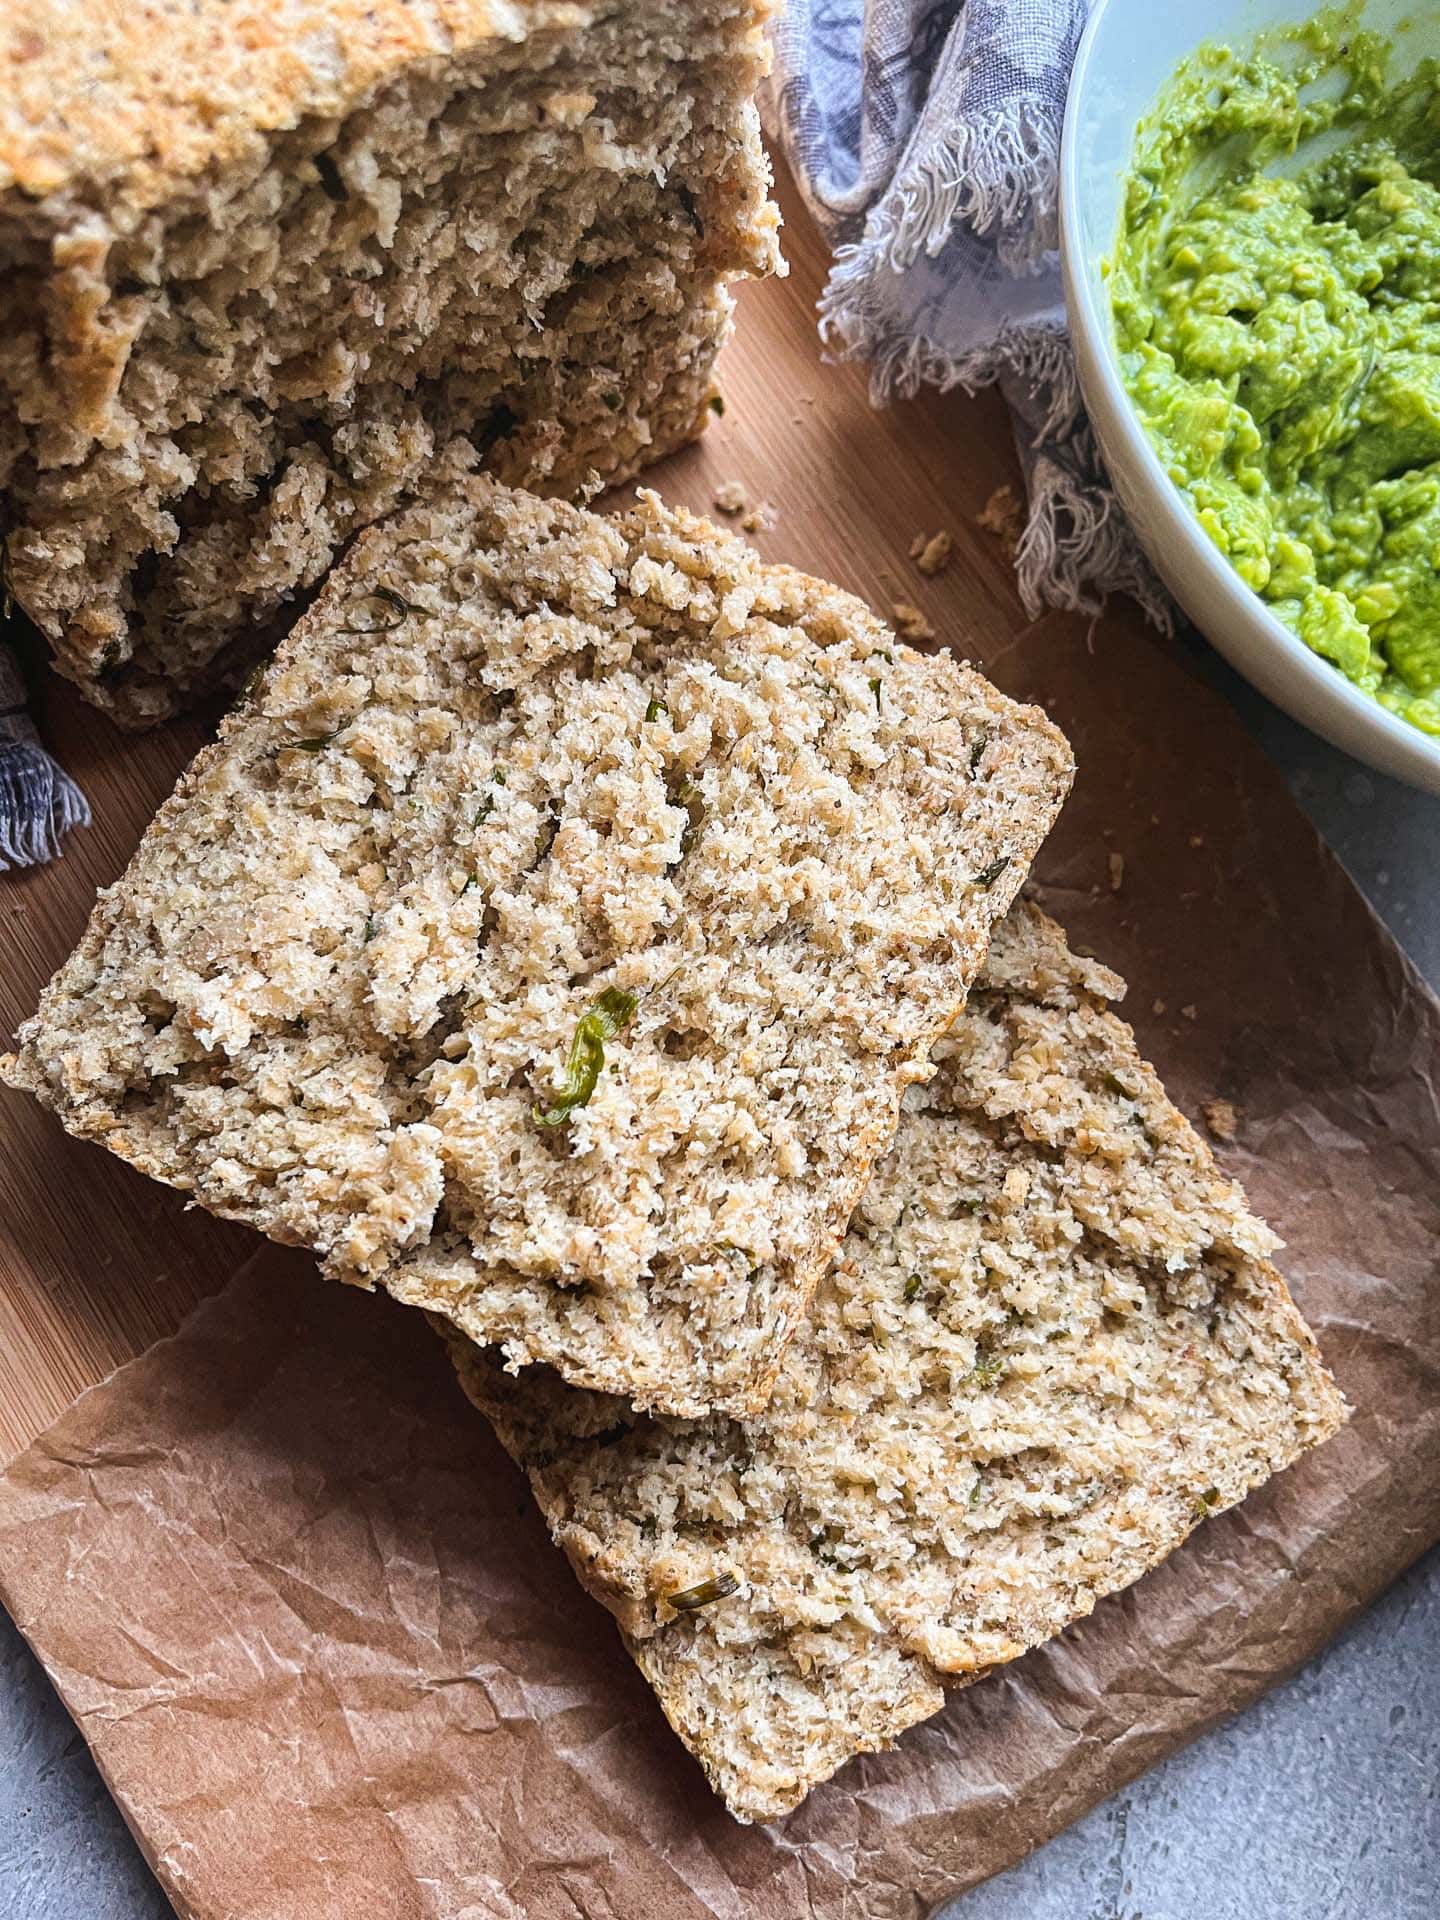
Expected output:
(154, 91)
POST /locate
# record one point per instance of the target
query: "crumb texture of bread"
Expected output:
(552, 933)
(1054, 1342)
(261, 262)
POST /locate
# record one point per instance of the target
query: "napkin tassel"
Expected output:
(990, 177)
(39, 802)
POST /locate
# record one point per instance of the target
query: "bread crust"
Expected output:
(129, 100)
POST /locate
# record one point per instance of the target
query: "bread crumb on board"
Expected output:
(1117, 872)
(756, 516)
(910, 623)
(1003, 516)
(931, 552)
(1222, 1118)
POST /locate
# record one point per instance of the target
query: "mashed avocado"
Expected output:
(1279, 331)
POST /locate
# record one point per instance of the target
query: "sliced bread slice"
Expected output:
(552, 934)
(1054, 1343)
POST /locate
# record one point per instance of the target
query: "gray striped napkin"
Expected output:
(39, 802)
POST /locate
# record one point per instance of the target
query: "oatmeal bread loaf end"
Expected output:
(258, 264)
(1053, 1344)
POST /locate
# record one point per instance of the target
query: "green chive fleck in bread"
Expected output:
(259, 261)
(1053, 1343)
(551, 935)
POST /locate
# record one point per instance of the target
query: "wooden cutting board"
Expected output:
(96, 1262)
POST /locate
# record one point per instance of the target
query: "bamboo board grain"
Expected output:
(96, 1262)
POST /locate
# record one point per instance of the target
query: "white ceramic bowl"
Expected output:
(1130, 49)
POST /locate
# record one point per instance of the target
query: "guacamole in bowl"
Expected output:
(1276, 298)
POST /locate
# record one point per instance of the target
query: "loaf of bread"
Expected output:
(552, 933)
(1053, 1343)
(258, 262)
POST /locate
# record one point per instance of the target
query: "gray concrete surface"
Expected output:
(1321, 1803)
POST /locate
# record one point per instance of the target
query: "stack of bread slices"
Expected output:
(583, 931)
